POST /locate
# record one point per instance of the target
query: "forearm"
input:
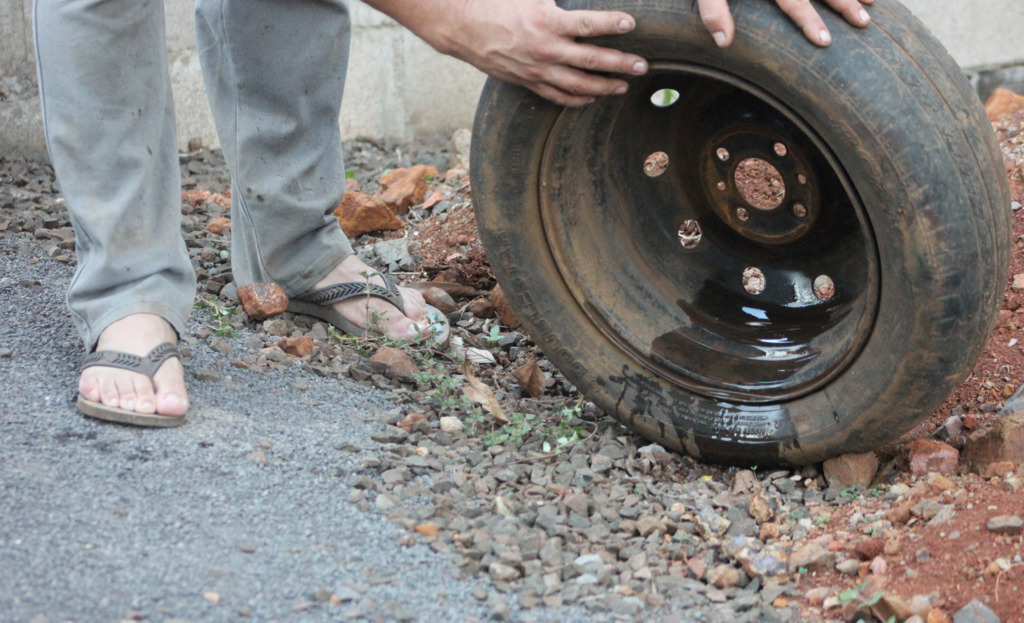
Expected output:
(430, 20)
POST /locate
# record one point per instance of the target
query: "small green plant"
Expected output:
(494, 335)
(821, 521)
(850, 493)
(222, 316)
(517, 430)
(854, 594)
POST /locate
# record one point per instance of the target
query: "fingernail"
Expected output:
(824, 37)
(620, 90)
(864, 17)
(719, 37)
(625, 25)
(639, 67)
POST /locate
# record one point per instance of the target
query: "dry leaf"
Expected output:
(530, 378)
(482, 395)
(479, 356)
(410, 420)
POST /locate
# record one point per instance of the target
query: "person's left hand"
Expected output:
(718, 20)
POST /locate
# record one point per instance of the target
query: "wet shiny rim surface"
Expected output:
(649, 217)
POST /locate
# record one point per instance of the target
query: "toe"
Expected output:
(143, 400)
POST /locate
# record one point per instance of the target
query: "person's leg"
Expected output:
(275, 74)
(110, 129)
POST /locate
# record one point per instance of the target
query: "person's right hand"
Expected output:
(533, 43)
(718, 20)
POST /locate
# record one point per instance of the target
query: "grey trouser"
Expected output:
(274, 72)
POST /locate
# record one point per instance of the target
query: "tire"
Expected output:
(882, 265)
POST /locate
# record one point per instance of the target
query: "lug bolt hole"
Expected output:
(742, 214)
(690, 234)
(722, 186)
(722, 153)
(824, 287)
(780, 150)
(800, 178)
(753, 280)
(656, 164)
(799, 210)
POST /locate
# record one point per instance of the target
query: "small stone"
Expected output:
(1005, 524)
(398, 366)
(851, 470)
(451, 425)
(481, 308)
(1004, 442)
(878, 566)
(428, 530)
(1000, 469)
(975, 612)
(297, 346)
(212, 597)
(723, 576)
(503, 573)
(221, 346)
(219, 225)
(360, 213)
(436, 297)
(848, 567)
(262, 300)
(207, 375)
(928, 455)
(1003, 102)
(6, 353)
(812, 557)
(404, 188)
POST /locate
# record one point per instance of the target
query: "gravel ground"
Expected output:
(333, 485)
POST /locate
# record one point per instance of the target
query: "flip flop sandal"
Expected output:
(147, 366)
(318, 303)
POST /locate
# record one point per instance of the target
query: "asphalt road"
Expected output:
(241, 513)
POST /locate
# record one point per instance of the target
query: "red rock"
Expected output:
(508, 316)
(429, 529)
(360, 213)
(481, 308)
(195, 197)
(970, 421)
(262, 300)
(440, 299)
(928, 455)
(530, 378)
(404, 188)
(1018, 282)
(435, 198)
(1003, 102)
(1004, 442)
(297, 346)
(219, 225)
(851, 470)
(1000, 469)
(397, 365)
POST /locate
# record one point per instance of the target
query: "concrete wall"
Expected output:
(400, 88)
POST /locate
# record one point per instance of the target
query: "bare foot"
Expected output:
(385, 318)
(137, 334)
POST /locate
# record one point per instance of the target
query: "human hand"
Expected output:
(718, 20)
(532, 43)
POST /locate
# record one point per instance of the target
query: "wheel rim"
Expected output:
(661, 215)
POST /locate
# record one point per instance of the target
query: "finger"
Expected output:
(592, 58)
(558, 96)
(807, 18)
(575, 82)
(852, 10)
(594, 23)
(718, 20)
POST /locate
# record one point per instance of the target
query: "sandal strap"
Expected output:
(352, 289)
(147, 365)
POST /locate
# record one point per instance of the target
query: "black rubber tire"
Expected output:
(900, 127)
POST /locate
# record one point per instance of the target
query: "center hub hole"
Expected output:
(760, 184)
